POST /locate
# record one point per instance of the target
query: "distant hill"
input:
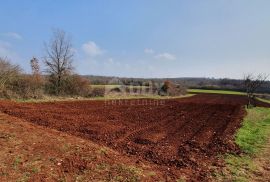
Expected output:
(199, 83)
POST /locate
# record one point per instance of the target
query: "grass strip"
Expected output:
(252, 138)
(215, 91)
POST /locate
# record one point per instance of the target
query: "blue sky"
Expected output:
(144, 38)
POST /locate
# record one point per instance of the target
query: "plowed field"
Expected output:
(181, 137)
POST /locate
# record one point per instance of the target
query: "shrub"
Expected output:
(8, 73)
(97, 92)
(14, 84)
(171, 89)
(72, 85)
(76, 85)
(25, 87)
(115, 90)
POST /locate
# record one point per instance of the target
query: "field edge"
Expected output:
(254, 140)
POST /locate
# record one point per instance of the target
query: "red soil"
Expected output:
(181, 137)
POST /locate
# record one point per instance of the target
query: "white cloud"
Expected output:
(149, 51)
(166, 56)
(92, 49)
(13, 35)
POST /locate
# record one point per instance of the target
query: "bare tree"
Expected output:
(7, 72)
(35, 66)
(59, 58)
(252, 83)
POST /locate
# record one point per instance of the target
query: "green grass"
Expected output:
(146, 97)
(115, 86)
(215, 91)
(264, 100)
(251, 138)
(239, 168)
(109, 97)
(255, 130)
(107, 86)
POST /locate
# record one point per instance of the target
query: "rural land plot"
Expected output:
(181, 136)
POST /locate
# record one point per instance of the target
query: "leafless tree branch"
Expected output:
(252, 83)
(59, 57)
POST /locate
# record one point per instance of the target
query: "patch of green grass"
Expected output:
(255, 130)
(16, 162)
(147, 97)
(113, 172)
(105, 86)
(128, 172)
(239, 167)
(264, 100)
(116, 86)
(35, 170)
(251, 138)
(215, 91)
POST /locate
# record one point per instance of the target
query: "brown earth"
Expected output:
(37, 154)
(180, 137)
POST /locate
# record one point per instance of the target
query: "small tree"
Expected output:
(59, 58)
(251, 84)
(36, 80)
(35, 67)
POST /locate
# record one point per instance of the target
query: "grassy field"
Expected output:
(264, 100)
(115, 86)
(255, 130)
(215, 91)
(107, 86)
(192, 91)
(253, 138)
(110, 97)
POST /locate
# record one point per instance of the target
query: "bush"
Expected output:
(71, 85)
(76, 85)
(171, 89)
(24, 86)
(8, 73)
(97, 92)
